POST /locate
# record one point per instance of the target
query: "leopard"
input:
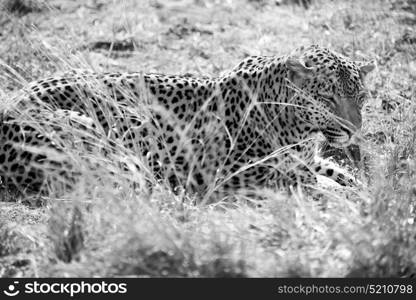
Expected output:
(258, 125)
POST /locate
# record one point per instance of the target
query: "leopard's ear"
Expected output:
(365, 67)
(298, 70)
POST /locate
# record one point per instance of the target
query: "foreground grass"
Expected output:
(104, 231)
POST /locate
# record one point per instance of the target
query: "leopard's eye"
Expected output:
(329, 99)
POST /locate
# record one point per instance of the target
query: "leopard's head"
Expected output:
(331, 89)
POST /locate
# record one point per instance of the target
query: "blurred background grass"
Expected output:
(354, 232)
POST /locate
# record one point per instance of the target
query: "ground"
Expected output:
(100, 230)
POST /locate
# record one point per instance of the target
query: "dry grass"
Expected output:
(106, 227)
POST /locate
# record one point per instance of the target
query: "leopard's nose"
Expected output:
(356, 137)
